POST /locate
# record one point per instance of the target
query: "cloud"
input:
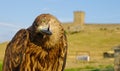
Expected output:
(65, 19)
(47, 10)
(9, 25)
(8, 30)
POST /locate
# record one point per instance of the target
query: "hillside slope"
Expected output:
(92, 40)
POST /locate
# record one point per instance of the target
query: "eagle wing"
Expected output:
(63, 56)
(15, 50)
(66, 48)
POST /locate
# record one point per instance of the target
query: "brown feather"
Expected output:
(33, 51)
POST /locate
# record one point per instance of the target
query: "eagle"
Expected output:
(40, 47)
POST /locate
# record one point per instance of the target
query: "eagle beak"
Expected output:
(45, 29)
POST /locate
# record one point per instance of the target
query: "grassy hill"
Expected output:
(2, 50)
(92, 40)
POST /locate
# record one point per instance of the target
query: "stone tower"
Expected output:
(79, 17)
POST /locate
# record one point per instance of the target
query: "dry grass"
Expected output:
(2, 50)
(94, 39)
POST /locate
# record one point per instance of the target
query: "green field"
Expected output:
(93, 40)
(0, 66)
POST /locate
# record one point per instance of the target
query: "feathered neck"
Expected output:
(39, 39)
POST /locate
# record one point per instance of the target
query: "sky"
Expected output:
(17, 14)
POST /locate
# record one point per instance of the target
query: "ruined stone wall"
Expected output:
(79, 17)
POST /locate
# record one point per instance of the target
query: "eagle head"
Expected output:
(46, 28)
(42, 24)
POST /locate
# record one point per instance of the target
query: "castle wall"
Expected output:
(79, 17)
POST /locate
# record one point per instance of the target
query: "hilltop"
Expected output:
(93, 39)
(89, 26)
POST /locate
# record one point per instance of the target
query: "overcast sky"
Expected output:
(17, 14)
